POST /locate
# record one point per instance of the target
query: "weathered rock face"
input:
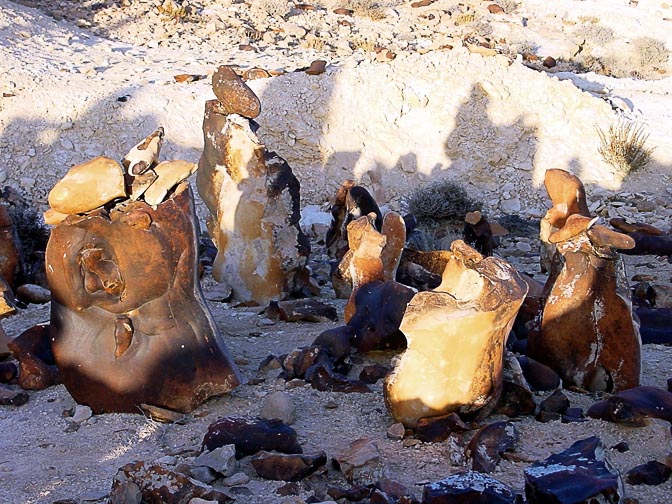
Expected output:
(126, 330)
(588, 335)
(456, 337)
(253, 199)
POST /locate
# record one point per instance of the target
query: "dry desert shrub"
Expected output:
(365, 8)
(170, 10)
(595, 35)
(439, 208)
(443, 200)
(362, 43)
(651, 54)
(623, 146)
(269, 8)
(509, 6)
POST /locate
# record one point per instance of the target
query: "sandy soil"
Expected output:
(43, 460)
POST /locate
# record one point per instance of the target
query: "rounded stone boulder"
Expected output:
(87, 186)
(233, 94)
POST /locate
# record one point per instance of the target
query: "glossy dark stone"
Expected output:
(283, 467)
(468, 488)
(127, 330)
(251, 435)
(575, 476)
(489, 442)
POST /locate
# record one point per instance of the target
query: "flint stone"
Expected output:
(235, 97)
(159, 484)
(436, 429)
(359, 462)
(372, 373)
(323, 379)
(251, 435)
(488, 444)
(307, 310)
(8, 371)
(539, 376)
(33, 350)
(469, 487)
(254, 208)
(396, 431)
(168, 175)
(336, 342)
(578, 474)
(88, 186)
(651, 473)
(588, 334)
(275, 466)
(299, 360)
(31, 293)
(557, 402)
(379, 310)
(222, 459)
(279, 405)
(117, 318)
(479, 297)
(633, 406)
(9, 397)
(355, 493)
(10, 249)
(517, 397)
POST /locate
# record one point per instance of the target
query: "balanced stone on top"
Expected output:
(88, 186)
(234, 96)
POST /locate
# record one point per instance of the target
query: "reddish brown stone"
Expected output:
(32, 348)
(128, 331)
(422, 3)
(549, 62)
(317, 67)
(588, 335)
(283, 467)
(495, 9)
(233, 94)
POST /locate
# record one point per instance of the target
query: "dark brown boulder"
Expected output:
(486, 447)
(234, 96)
(324, 379)
(127, 330)
(37, 368)
(651, 473)
(633, 406)
(379, 310)
(435, 429)
(283, 467)
(251, 435)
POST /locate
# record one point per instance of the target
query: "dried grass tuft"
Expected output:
(170, 10)
(623, 146)
(443, 200)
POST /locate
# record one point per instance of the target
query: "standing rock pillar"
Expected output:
(253, 199)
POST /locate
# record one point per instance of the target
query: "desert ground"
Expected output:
(83, 78)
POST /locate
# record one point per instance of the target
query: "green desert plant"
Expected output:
(623, 146)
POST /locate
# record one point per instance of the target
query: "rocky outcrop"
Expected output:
(253, 199)
(456, 336)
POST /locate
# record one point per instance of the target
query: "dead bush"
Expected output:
(443, 200)
(269, 8)
(651, 55)
(623, 146)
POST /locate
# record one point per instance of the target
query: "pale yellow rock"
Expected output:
(456, 337)
(168, 175)
(87, 186)
(52, 217)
